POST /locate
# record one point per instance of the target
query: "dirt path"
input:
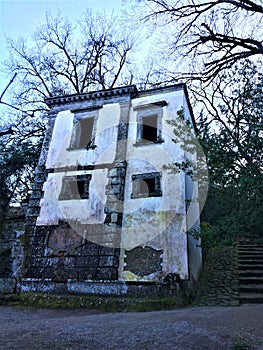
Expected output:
(189, 328)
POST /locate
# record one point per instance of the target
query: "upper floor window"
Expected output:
(84, 128)
(149, 132)
(75, 187)
(149, 123)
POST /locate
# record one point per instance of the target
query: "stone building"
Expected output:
(107, 215)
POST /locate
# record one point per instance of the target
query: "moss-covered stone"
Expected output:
(219, 282)
(104, 304)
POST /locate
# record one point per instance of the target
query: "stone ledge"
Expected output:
(88, 287)
(96, 288)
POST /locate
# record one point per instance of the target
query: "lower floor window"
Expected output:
(75, 187)
(146, 185)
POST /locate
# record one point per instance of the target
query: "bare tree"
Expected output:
(64, 59)
(20, 143)
(215, 33)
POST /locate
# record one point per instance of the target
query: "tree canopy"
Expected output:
(234, 150)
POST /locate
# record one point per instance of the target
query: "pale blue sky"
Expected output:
(21, 18)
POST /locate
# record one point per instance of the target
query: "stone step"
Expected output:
(251, 288)
(250, 252)
(248, 255)
(251, 258)
(251, 273)
(256, 298)
(254, 253)
(250, 263)
(250, 247)
(251, 280)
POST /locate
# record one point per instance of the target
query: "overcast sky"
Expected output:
(21, 18)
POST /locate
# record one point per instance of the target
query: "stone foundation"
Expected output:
(98, 288)
(58, 253)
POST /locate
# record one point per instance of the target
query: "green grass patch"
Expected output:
(100, 303)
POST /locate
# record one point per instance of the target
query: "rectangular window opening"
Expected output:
(149, 128)
(82, 136)
(86, 128)
(146, 185)
(75, 187)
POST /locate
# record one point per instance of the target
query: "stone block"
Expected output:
(114, 217)
(118, 180)
(97, 288)
(118, 189)
(108, 251)
(30, 220)
(35, 285)
(7, 285)
(90, 249)
(37, 186)
(113, 172)
(70, 273)
(40, 177)
(37, 194)
(108, 274)
(34, 202)
(92, 261)
(40, 273)
(33, 211)
(116, 205)
(86, 274)
(111, 198)
(37, 251)
(109, 261)
(43, 262)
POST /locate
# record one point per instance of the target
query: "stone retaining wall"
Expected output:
(11, 250)
(219, 282)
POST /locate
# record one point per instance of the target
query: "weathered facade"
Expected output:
(106, 213)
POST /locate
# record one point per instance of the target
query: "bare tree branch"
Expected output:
(10, 82)
(219, 32)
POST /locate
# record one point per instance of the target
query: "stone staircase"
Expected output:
(250, 256)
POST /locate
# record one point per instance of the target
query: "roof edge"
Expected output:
(93, 95)
(178, 86)
(119, 91)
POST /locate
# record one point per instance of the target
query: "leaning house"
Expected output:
(107, 215)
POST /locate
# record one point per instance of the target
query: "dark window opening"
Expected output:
(146, 185)
(149, 128)
(75, 187)
(86, 127)
(82, 133)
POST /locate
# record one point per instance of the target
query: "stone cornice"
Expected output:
(92, 96)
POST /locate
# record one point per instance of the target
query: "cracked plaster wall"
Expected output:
(158, 222)
(88, 211)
